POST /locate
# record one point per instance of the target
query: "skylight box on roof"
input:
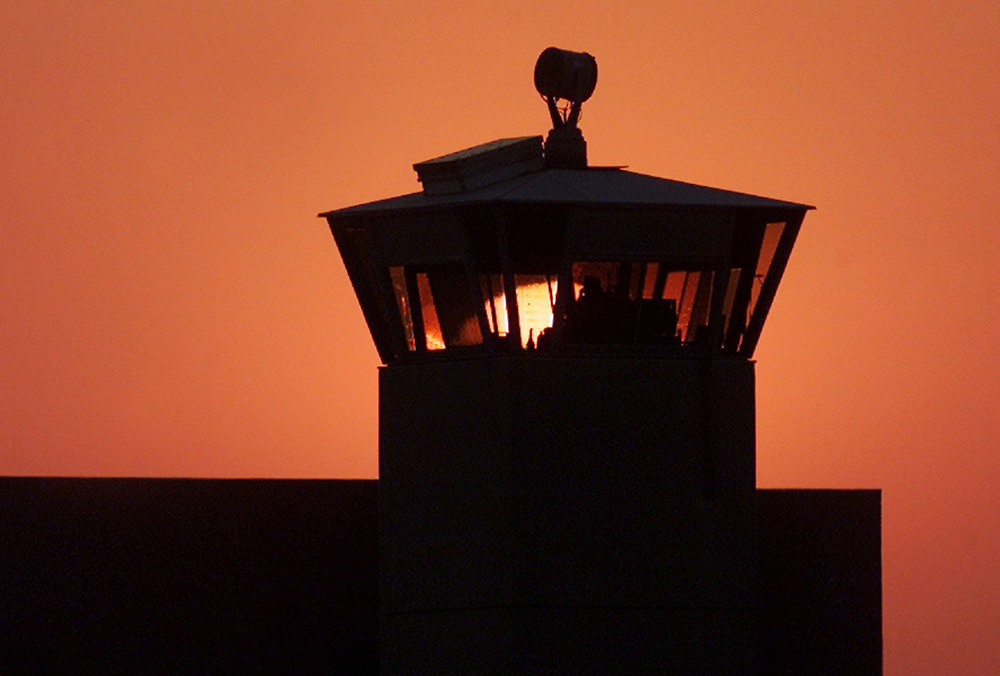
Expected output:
(480, 165)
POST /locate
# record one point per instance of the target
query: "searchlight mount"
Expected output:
(561, 75)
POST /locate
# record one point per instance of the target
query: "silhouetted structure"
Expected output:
(180, 576)
(567, 451)
(176, 576)
(567, 461)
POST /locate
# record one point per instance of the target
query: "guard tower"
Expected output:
(567, 451)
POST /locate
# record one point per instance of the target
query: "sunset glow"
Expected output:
(535, 300)
(536, 296)
(171, 306)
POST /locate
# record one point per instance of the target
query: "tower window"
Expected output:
(436, 307)
(638, 303)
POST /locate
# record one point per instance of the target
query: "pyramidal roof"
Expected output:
(509, 171)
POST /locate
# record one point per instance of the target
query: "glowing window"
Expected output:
(772, 235)
(403, 304)
(436, 307)
(495, 302)
(432, 327)
(536, 298)
(638, 303)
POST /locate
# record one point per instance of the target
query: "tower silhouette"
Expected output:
(566, 406)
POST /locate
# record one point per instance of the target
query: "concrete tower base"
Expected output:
(546, 514)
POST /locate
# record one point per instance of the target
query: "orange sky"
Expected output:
(170, 305)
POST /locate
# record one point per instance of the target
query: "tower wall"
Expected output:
(544, 514)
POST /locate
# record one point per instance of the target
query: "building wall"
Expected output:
(597, 509)
(165, 576)
(820, 589)
(170, 576)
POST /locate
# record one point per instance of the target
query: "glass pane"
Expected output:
(674, 286)
(599, 277)
(432, 327)
(697, 330)
(691, 293)
(591, 314)
(727, 304)
(403, 304)
(649, 281)
(638, 303)
(686, 302)
(772, 235)
(630, 279)
(535, 299)
(495, 303)
(456, 311)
